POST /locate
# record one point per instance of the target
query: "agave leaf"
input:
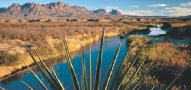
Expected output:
(47, 70)
(57, 78)
(153, 87)
(85, 87)
(27, 85)
(138, 88)
(2, 88)
(38, 79)
(126, 71)
(143, 76)
(111, 68)
(120, 67)
(32, 86)
(99, 62)
(41, 70)
(71, 67)
(175, 78)
(90, 69)
(134, 74)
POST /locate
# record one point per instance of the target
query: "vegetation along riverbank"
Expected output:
(173, 54)
(46, 39)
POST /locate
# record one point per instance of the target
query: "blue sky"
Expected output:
(130, 7)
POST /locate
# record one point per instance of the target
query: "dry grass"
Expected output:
(6, 58)
(39, 31)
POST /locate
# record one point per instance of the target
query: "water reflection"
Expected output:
(25, 72)
(157, 31)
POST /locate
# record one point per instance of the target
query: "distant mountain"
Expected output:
(188, 16)
(101, 12)
(55, 9)
(58, 9)
(115, 12)
(2, 10)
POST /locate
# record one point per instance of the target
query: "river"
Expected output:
(110, 45)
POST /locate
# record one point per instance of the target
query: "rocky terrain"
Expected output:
(54, 9)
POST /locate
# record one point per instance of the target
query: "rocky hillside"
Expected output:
(101, 12)
(55, 9)
(115, 12)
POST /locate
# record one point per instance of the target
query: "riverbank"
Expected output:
(172, 55)
(73, 43)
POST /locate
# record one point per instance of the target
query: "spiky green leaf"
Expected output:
(99, 62)
(111, 68)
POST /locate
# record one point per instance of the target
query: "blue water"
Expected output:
(110, 45)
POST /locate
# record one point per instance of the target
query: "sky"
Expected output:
(129, 7)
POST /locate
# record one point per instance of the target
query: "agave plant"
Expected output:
(55, 83)
(2, 88)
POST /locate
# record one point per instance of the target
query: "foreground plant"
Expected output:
(117, 84)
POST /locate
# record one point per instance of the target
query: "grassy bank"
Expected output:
(172, 59)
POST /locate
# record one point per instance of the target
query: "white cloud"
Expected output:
(131, 13)
(109, 8)
(162, 10)
(139, 12)
(134, 6)
(186, 4)
(167, 8)
(157, 5)
(178, 11)
(182, 10)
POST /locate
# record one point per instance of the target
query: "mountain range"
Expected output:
(54, 9)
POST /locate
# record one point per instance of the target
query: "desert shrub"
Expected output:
(46, 51)
(166, 25)
(165, 74)
(176, 32)
(173, 31)
(137, 42)
(59, 48)
(180, 32)
(126, 30)
(8, 59)
(164, 52)
(188, 31)
(171, 60)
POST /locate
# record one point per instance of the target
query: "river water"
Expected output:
(110, 45)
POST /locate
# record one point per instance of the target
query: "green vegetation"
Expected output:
(166, 26)
(171, 60)
(126, 30)
(180, 32)
(134, 30)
